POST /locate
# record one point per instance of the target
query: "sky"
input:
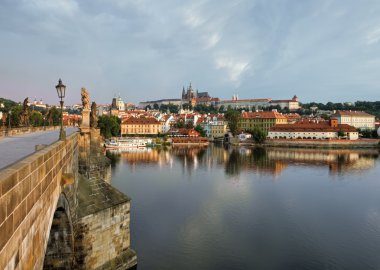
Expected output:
(321, 50)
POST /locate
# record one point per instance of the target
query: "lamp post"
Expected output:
(61, 90)
(9, 118)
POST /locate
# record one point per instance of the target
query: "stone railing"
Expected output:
(29, 194)
(23, 130)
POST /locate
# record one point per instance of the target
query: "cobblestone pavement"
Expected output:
(17, 147)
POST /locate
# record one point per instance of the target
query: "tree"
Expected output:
(187, 106)
(200, 129)
(341, 133)
(189, 125)
(233, 117)
(36, 119)
(15, 116)
(258, 134)
(54, 116)
(155, 106)
(180, 124)
(109, 125)
(221, 109)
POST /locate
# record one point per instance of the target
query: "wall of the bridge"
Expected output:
(29, 196)
(4, 131)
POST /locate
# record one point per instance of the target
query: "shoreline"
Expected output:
(312, 144)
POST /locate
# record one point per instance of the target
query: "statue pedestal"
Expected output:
(85, 119)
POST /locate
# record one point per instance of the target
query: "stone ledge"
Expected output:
(97, 195)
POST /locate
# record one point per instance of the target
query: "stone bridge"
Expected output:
(53, 217)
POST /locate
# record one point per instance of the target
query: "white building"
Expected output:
(313, 131)
(292, 104)
(250, 104)
(165, 122)
(358, 119)
(120, 104)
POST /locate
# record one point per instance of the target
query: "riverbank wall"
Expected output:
(333, 144)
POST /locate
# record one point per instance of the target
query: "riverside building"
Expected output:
(358, 119)
(313, 130)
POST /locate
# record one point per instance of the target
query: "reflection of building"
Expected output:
(140, 156)
(338, 161)
(361, 120)
(142, 125)
(270, 161)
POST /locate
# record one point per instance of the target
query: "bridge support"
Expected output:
(60, 247)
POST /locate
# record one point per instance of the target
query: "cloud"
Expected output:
(373, 37)
(233, 67)
(148, 49)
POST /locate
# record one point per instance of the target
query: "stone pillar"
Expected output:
(85, 126)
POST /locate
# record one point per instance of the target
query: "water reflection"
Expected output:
(272, 161)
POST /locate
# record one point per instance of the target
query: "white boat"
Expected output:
(116, 143)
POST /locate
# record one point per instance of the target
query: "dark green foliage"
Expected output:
(200, 129)
(371, 107)
(8, 104)
(171, 107)
(109, 126)
(189, 125)
(36, 119)
(258, 135)
(15, 116)
(232, 117)
(366, 133)
(54, 116)
(155, 106)
(341, 133)
(180, 124)
(187, 106)
(205, 109)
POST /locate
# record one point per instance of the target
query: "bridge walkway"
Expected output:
(17, 147)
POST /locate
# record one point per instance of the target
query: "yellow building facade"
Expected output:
(141, 125)
(262, 120)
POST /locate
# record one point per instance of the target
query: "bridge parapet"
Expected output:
(29, 193)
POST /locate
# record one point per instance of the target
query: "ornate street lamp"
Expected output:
(61, 90)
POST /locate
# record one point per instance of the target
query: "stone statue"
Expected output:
(49, 117)
(85, 99)
(24, 117)
(93, 116)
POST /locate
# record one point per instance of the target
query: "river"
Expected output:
(252, 208)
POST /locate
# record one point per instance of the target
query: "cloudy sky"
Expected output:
(320, 50)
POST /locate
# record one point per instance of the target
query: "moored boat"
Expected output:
(116, 143)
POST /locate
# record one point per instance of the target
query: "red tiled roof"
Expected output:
(312, 127)
(141, 121)
(265, 115)
(353, 113)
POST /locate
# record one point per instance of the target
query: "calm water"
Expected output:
(247, 208)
